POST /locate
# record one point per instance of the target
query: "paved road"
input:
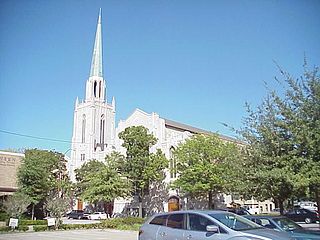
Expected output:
(91, 234)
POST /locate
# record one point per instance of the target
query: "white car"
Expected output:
(97, 216)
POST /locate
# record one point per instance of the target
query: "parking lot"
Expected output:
(92, 234)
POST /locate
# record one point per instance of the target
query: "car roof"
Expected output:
(264, 216)
(206, 212)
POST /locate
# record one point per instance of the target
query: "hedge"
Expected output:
(39, 228)
(32, 222)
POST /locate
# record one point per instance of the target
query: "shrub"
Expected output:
(3, 216)
(5, 229)
(33, 222)
(39, 228)
(22, 228)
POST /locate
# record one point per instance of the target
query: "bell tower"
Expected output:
(94, 118)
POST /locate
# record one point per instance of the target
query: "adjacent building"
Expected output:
(9, 164)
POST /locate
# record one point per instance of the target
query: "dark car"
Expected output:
(238, 211)
(303, 215)
(284, 224)
(205, 225)
(76, 214)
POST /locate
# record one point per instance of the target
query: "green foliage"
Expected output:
(283, 134)
(32, 222)
(98, 181)
(105, 185)
(16, 204)
(5, 229)
(42, 173)
(4, 216)
(203, 164)
(140, 166)
(40, 228)
(82, 173)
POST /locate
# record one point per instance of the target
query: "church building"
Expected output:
(95, 134)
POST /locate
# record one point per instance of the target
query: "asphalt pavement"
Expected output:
(92, 234)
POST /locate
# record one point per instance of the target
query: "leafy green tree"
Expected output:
(300, 108)
(16, 204)
(82, 174)
(203, 165)
(106, 185)
(98, 181)
(140, 166)
(283, 137)
(37, 175)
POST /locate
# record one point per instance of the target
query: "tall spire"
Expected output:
(96, 64)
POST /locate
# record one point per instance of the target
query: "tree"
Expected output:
(300, 109)
(82, 174)
(202, 165)
(140, 166)
(16, 204)
(37, 175)
(283, 137)
(101, 182)
(57, 206)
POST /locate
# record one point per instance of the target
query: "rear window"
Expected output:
(159, 220)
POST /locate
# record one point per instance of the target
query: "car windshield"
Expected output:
(234, 221)
(287, 224)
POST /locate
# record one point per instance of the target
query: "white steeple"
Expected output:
(96, 86)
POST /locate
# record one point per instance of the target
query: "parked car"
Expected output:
(303, 215)
(307, 205)
(97, 216)
(76, 214)
(205, 225)
(239, 211)
(284, 224)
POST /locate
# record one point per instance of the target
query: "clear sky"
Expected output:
(195, 62)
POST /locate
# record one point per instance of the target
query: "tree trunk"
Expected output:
(317, 198)
(210, 200)
(280, 201)
(32, 212)
(140, 206)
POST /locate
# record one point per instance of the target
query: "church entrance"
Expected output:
(173, 204)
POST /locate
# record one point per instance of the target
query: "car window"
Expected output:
(264, 222)
(287, 224)
(176, 221)
(199, 223)
(160, 220)
(234, 221)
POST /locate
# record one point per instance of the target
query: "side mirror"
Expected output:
(213, 229)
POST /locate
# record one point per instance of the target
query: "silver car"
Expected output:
(205, 225)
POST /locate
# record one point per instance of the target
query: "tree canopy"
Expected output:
(203, 166)
(283, 137)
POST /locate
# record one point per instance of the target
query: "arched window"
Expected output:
(173, 164)
(95, 88)
(102, 126)
(83, 136)
(100, 89)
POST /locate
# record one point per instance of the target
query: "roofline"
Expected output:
(194, 130)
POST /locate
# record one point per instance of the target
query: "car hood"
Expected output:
(268, 233)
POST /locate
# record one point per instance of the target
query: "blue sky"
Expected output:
(195, 62)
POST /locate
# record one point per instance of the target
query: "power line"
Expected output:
(39, 138)
(35, 137)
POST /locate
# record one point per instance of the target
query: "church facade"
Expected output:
(95, 134)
